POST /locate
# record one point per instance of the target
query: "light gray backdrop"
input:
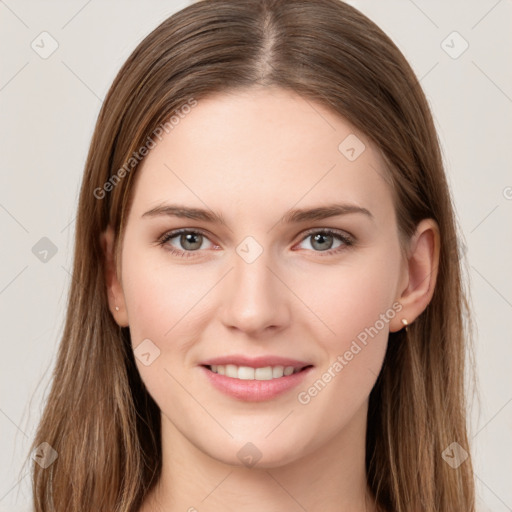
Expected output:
(58, 60)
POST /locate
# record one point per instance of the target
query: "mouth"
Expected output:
(249, 373)
(264, 373)
(255, 383)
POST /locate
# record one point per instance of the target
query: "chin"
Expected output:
(258, 454)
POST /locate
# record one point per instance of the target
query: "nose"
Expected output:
(255, 299)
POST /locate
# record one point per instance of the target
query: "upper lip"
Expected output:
(255, 362)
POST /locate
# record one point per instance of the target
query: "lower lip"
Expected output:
(255, 390)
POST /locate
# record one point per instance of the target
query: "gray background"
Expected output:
(49, 107)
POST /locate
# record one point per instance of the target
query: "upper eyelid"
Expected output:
(175, 232)
(335, 231)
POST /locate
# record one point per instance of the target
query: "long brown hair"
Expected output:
(99, 417)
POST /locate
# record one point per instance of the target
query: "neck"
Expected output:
(329, 478)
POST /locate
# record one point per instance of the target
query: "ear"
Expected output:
(420, 273)
(114, 288)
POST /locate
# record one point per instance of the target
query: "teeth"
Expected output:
(248, 373)
(277, 371)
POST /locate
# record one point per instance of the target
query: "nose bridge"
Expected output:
(255, 299)
(251, 272)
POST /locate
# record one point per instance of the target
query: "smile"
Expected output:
(254, 384)
(249, 373)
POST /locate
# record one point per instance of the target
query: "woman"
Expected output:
(266, 310)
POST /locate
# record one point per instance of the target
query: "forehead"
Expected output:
(241, 150)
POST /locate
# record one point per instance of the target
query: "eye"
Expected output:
(191, 240)
(322, 240)
(188, 241)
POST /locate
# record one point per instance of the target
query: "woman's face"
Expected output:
(264, 286)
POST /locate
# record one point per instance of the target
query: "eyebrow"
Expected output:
(292, 216)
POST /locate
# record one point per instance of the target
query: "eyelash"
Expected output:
(347, 240)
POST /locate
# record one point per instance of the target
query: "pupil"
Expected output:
(189, 238)
(321, 237)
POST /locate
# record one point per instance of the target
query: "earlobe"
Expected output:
(113, 285)
(422, 269)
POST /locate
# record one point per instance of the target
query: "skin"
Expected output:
(251, 156)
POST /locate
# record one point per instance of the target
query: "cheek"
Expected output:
(161, 298)
(352, 297)
(355, 304)
(164, 306)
